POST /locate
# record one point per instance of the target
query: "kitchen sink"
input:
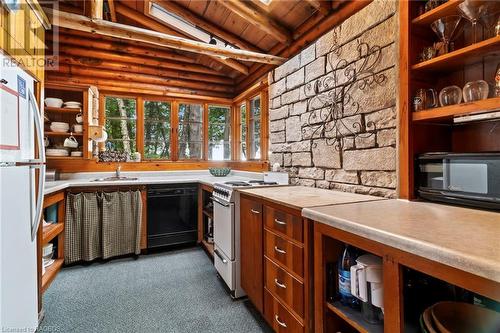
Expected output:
(114, 178)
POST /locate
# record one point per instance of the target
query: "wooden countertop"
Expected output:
(298, 197)
(467, 239)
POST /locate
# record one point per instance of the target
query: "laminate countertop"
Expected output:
(298, 197)
(146, 178)
(467, 239)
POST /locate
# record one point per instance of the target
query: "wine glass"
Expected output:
(472, 10)
(445, 28)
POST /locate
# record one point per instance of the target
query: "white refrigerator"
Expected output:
(22, 177)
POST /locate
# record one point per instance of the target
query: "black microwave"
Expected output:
(471, 179)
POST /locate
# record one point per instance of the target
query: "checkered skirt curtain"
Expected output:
(102, 225)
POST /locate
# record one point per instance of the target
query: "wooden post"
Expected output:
(96, 9)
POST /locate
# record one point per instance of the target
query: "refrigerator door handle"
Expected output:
(38, 127)
(36, 217)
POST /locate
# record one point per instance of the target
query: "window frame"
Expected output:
(235, 132)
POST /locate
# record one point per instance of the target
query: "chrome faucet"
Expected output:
(118, 171)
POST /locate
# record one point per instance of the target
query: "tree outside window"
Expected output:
(254, 128)
(121, 124)
(243, 132)
(157, 130)
(219, 133)
(190, 131)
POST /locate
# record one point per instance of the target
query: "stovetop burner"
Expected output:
(235, 183)
(262, 182)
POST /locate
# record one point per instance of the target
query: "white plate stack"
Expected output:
(73, 105)
(59, 127)
(59, 152)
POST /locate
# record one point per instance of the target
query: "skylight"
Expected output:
(184, 26)
(266, 2)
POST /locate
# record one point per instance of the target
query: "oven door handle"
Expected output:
(219, 202)
(224, 261)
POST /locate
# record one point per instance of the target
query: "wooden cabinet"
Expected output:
(275, 263)
(251, 242)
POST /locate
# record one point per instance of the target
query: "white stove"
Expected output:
(226, 201)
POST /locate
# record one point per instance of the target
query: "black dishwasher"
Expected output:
(172, 214)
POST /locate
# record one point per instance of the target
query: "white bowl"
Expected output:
(59, 129)
(53, 102)
(76, 153)
(59, 124)
(72, 102)
(47, 250)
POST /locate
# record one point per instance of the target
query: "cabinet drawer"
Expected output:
(284, 287)
(284, 252)
(278, 316)
(283, 223)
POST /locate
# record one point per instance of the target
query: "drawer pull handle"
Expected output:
(279, 284)
(281, 323)
(279, 222)
(277, 249)
(254, 211)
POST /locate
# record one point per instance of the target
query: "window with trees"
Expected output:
(121, 124)
(254, 128)
(219, 132)
(157, 130)
(190, 131)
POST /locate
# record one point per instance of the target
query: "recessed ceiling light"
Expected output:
(266, 2)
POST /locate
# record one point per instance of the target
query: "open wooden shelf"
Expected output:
(50, 273)
(208, 247)
(62, 110)
(446, 113)
(448, 8)
(51, 231)
(354, 318)
(63, 134)
(64, 157)
(464, 56)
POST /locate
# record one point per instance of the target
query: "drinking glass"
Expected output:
(446, 29)
(475, 91)
(450, 95)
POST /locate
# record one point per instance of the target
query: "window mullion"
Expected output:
(140, 126)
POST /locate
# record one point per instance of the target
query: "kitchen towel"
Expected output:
(102, 225)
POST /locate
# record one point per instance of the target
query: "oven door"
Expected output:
(224, 227)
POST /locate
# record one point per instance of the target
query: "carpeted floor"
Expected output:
(175, 291)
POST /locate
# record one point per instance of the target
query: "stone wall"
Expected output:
(333, 106)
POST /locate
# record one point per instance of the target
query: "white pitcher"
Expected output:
(71, 142)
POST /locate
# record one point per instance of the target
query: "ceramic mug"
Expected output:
(79, 118)
(78, 128)
(71, 142)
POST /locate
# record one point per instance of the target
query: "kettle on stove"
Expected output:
(367, 285)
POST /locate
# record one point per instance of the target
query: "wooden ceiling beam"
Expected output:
(96, 9)
(127, 32)
(83, 40)
(322, 6)
(112, 10)
(160, 63)
(204, 24)
(141, 69)
(259, 19)
(159, 27)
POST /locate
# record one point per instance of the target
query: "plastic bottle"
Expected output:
(346, 260)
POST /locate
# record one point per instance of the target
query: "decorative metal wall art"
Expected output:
(331, 97)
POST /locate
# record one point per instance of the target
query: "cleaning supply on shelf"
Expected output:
(346, 260)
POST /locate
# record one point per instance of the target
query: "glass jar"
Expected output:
(450, 95)
(475, 91)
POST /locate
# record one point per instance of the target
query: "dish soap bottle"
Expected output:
(346, 260)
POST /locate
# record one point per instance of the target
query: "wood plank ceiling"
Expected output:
(281, 28)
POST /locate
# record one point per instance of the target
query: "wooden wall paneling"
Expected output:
(476, 137)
